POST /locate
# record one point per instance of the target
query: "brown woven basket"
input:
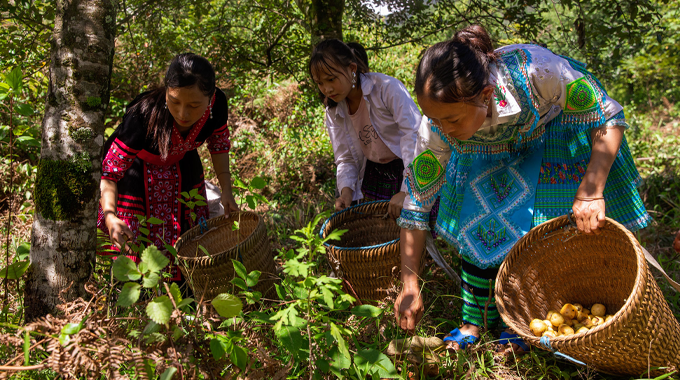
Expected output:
(367, 257)
(210, 276)
(553, 265)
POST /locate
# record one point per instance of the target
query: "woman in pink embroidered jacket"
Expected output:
(151, 157)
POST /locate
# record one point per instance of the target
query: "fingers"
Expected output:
(339, 204)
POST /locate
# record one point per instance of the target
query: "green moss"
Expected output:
(81, 135)
(63, 188)
(94, 101)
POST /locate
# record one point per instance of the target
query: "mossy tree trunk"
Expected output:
(326, 17)
(64, 236)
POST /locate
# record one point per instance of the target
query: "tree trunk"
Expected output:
(326, 16)
(64, 237)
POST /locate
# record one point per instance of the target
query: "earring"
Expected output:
(166, 106)
(354, 79)
(210, 108)
(486, 102)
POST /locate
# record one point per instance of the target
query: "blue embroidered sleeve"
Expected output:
(414, 220)
(617, 120)
(425, 178)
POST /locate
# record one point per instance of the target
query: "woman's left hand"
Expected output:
(396, 203)
(589, 215)
(229, 203)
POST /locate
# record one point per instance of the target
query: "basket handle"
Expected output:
(652, 261)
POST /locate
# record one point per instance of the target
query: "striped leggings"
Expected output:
(476, 285)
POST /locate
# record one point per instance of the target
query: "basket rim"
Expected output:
(619, 317)
(218, 219)
(338, 213)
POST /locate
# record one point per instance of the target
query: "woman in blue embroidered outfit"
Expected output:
(510, 138)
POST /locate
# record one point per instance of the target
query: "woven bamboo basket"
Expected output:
(553, 265)
(367, 257)
(210, 276)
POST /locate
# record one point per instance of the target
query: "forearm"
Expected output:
(412, 246)
(221, 164)
(606, 143)
(109, 195)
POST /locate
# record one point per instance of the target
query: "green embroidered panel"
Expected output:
(427, 171)
(581, 96)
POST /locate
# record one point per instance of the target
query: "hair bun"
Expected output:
(476, 37)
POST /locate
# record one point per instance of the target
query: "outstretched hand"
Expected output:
(396, 204)
(589, 215)
(408, 309)
(120, 234)
(229, 203)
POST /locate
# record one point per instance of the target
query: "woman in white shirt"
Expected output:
(372, 122)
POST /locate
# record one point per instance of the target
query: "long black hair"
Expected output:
(456, 70)
(333, 52)
(185, 70)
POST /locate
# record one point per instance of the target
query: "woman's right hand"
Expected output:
(408, 308)
(344, 200)
(119, 232)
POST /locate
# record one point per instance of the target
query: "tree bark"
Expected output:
(64, 237)
(326, 17)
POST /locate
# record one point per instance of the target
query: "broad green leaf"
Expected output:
(327, 297)
(239, 356)
(129, 295)
(193, 192)
(176, 293)
(342, 345)
(227, 305)
(159, 309)
(377, 363)
(240, 269)
(201, 203)
(28, 141)
(239, 283)
(339, 362)
(23, 109)
(145, 231)
(14, 79)
(366, 311)
(177, 333)
(64, 339)
(153, 220)
(23, 250)
(251, 202)
(199, 197)
(15, 270)
(151, 327)
(150, 280)
(323, 365)
(154, 259)
(168, 374)
(125, 269)
(143, 267)
(292, 339)
(71, 328)
(185, 302)
(217, 348)
(253, 278)
(258, 183)
(4, 90)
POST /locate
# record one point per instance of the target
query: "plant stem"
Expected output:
(11, 196)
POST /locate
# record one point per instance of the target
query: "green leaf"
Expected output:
(366, 311)
(23, 251)
(145, 231)
(239, 356)
(258, 183)
(159, 309)
(64, 339)
(342, 345)
(377, 363)
(71, 328)
(291, 338)
(15, 270)
(4, 90)
(193, 192)
(14, 79)
(217, 348)
(154, 259)
(251, 202)
(239, 283)
(142, 267)
(323, 365)
(168, 374)
(335, 235)
(176, 293)
(153, 220)
(28, 141)
(177, 333)
(27, 347)
(339, 361)
(205, 251)
(227, 305)
(327, 297)
(23, 109)
(185, 302)
(129, 295)
(151, 328)
(201, 203)
(240, 269)
(253, 278)
(150, 280)
(125, 269)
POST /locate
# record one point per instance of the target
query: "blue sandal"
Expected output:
(507, 337)
(462, 339)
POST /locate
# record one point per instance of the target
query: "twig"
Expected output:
(11, 198)
(486, 305)
(472, 291)
(22, 368)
